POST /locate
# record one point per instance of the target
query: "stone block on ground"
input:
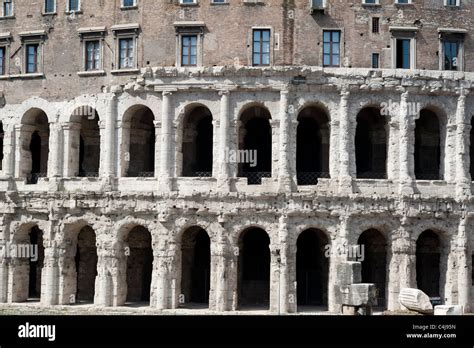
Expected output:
(415, 300)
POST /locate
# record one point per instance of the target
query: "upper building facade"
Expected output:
(61, 48)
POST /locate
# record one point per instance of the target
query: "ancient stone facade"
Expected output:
(128, 180)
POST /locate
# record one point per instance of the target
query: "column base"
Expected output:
(345, 185)
(406, 188)
(463, 189)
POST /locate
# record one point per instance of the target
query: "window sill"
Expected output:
(193, 4)
(126, 8)
(219, 3)
(403, 5)
(22, 76)
(371, 5)
(4, 18)
(73, 12)
(91, 73)
(49, 13)
(125, 71)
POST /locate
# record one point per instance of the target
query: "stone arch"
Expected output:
(34, 145)
(195, 148)
(138, 141)
(312, 145)
(430, 139)
(371, 140)
(28, 240)
(195, 274)
(312, 268)
(253, 283)
(374, 264)
(254, 142)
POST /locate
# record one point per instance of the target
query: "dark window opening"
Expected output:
(93, 55)
(371, 145)
(196, 266)
(375, 25)
(2, 60)
(403, 54)
(254, 268)
(451, 55)
(36, 149)
(89, 145)
(427, 147)
(86, 265)
(139, 265)
(36, 267)
(255, 139)
(32, 58)
(141, 152)
(2, 135)
(312, 268)
(428, 257)
(374, 265)
(198, 143)
(312, 146)
(375, 60)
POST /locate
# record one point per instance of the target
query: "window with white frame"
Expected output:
(92, 49)
(452, 2)
(7, 8)
(126, 55)
(126, 59)
(189, 43)
(402, 2)
(73, 5)
(3, 64)
(370, 2)
(403, 47)
(188, 2)
(32, 48)
(129, 3)
(451, 51)
(218, 1)
(261, 47)
(49, 6)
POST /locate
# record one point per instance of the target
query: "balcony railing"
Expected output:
(33, 178)
(311, 178)
(255, 178)
(428, 176)
(372, 175)
(88, 174)
(140, 174)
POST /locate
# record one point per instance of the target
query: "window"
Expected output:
(49, 6)
(451, 55)
(189, 50)
(370, 2)
(126, 53)
(331, 48)
(32, 58)
(452, 3)
(73, 5)
(186, 2)
(375, 60)
(261, 47)
(218, 1)
(7, 8)
(402, 1)
(2, 60)
(403, 54)
(128, 3)
(92, 55)
(472, 270)
(375, 25)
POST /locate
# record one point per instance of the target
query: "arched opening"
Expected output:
(86, 264)
(254, 268)
(427, 146)
(197, 143)
(196, 265)
(140, 154)
(139, 265)
(371, 144)
(312, 146)
(36, 260)
(312, 269)
(2, 134)
(428, 259)
(89, 142)
(255, 145)
(471, 149)
(374, 264)
(34, 137)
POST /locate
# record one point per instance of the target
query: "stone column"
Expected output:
(167, 140)
(223, 173)
(345, 140)
(71, 135)
(102, 131)
(50, 275)
(402, 266)
(157, 146)
(109, 151)
(8, 152)
(286, 293)
(463, 177)
(219, 291)
(464, 274)
(284, 175)
(23, 160)
(338, 245)
(406, 146)
(55, 150)
(4, 261)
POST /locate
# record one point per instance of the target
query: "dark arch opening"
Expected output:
(374, 265)
(471, 149)
(2, 134)
(139, 265)
(255, 145)
(86, 264)
(89, 147)
(142, 143)
(312, 146)
(35, 265)
(196, 265)
(371, 144)
(38, 145)
(198, 143)
(312, 268)
(428, 259)
(254, 268)
(427, 146)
